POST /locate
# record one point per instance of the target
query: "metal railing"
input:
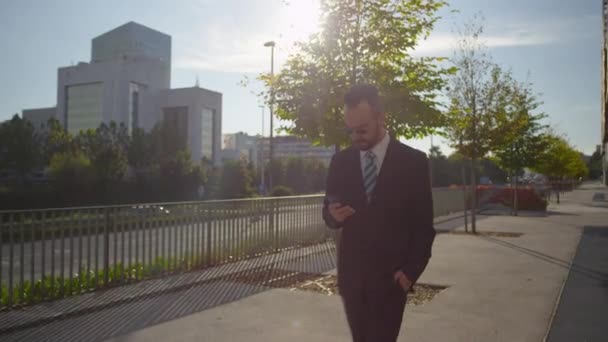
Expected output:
(53, 253)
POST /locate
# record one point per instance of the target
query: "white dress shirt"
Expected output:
(379, 151)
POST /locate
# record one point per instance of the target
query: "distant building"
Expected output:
(129, 81)
(291, 146)
(240, 146)
(40, 117)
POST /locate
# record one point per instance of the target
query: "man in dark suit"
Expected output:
(378, 192)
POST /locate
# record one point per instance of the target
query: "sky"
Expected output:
(555, 45)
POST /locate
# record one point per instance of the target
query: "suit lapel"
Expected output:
(357, 174)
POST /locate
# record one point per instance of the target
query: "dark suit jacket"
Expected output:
(394, 231)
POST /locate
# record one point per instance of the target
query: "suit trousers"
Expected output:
(374, 309)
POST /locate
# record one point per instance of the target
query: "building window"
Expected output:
(207, 125)
(84, 104)
(133, 106)
(175, 134)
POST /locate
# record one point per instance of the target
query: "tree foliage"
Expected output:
(19, 146)
(478, 99)
(479, 93)
(520, 131)
(559, 161)
(595, 165)
(56, 140)
(106, 147)
(72, 172)
(520, 141)
(361, 41)
(236, 181)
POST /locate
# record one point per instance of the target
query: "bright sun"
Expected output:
(300, 18)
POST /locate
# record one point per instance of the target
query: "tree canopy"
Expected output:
(361, 41)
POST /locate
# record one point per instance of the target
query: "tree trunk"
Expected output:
(510, 178)
(464, 197)
(474, 197)
(515, 204)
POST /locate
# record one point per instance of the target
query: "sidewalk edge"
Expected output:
(561, 290)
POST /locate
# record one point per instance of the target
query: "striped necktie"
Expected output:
(370, 173)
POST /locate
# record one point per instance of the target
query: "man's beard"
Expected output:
(363, 145)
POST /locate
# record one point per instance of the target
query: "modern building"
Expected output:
(128, 81)
(604, 113)
(40, 117)
(291, 146)
(199, 118)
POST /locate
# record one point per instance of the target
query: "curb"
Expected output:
(558, 299)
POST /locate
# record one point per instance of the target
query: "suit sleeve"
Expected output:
(331, 188)
(419, 250)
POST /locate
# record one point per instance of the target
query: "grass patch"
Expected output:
(51, 288)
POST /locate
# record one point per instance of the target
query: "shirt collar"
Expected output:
(380, 148)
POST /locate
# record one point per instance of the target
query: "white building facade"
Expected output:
(291, 146)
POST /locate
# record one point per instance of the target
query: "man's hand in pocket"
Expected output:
(403, 281)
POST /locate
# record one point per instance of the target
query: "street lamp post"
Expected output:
(271, 45)
(262, 180)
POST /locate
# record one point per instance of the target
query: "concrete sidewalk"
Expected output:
(500, 289)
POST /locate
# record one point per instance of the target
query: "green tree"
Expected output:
(73, 175)
(255, 177)
(440, 168)
(180, 178)
(278, 171)
(296, 176)
(361, 41)
(318, 173)
(577, 168)
(55, 140)
(206, 169)
(106, 147)
(212, 185)
(139, 152)
(559, 162)
(595, 165)
(521, 133)
(235, 180)
(19, 146)
(478, 96)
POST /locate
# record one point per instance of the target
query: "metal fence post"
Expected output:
(106, 248)
(273, 225)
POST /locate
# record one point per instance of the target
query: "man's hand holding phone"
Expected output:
(340, 212)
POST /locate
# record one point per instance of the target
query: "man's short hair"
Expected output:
(363, 92)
